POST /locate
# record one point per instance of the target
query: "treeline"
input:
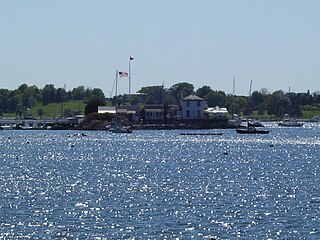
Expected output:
(261, 102)
(26, 97)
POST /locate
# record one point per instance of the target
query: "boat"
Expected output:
(118, 127)
(289, 122)
(255, 123)
(201, 134)
(251, 130)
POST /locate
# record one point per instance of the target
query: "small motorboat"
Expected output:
(118, 127)
(289, 122)
(251, 130)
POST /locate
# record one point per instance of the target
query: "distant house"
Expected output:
(127, 110)
(216, 113)
(153, 113)
(107, 109)
(192, 107)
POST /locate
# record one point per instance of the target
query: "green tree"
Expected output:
(48, 94)
(150, 100)
(78, 93)
(241, 102)
(92, 105)
(40, 112)
(283, 106)
(216, 98)
(178, 91)
(60, 95)
(155, 91)
(257, 98)
(204, 91)
(98, 93)
(272, 101)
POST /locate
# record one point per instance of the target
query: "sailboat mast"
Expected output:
(117, 73)
(233, 96)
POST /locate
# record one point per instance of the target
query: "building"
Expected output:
(153, 113)
(192, 107)
(216, 113)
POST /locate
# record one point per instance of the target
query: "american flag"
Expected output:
(123, 74)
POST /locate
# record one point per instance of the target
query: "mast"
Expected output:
(129, 82)
(130, 59)
(250, 88)
(62, 101)
(117, 73)
(233, 96)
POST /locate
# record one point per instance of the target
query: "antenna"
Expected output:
(234, 86)
(250, 88)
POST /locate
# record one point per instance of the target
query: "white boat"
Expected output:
(289, 122)
(118, 127)
(5, 127)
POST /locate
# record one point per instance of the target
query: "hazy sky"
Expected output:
(274, 43)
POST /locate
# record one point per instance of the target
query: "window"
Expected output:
(188, 103)
(198, 103)
(188, 113)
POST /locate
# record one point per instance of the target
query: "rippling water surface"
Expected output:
(160, 185)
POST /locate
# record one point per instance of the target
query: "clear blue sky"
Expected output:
(274, 43)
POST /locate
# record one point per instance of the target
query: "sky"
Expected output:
(275, 44)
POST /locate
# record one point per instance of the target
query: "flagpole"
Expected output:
(115, 100)
(129, 81)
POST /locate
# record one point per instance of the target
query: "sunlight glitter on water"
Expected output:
(153, 184)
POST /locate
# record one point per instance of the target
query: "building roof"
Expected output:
(216, 109)
(193, 97)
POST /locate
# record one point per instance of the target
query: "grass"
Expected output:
(310, 114)
(52, 110)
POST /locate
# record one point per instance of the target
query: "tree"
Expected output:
(155, 91)
(78, 93)
(216, 98)
(150, 100)
(60, 95)
(204, 91)
(98, 93)
(241, 102)
(92, 105)
(178, 91)
(283, 106)
(22, 88)
(272, 102)
(40, 112)
(257, 98)
(48, 94)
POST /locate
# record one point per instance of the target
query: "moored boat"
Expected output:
(118, 127)
(251, 130)
(289, 122)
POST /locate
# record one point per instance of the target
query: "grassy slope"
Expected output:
(54, 109)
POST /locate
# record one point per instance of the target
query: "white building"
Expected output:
(216, 113)
(192, 107)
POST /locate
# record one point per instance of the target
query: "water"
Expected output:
(160, 185)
